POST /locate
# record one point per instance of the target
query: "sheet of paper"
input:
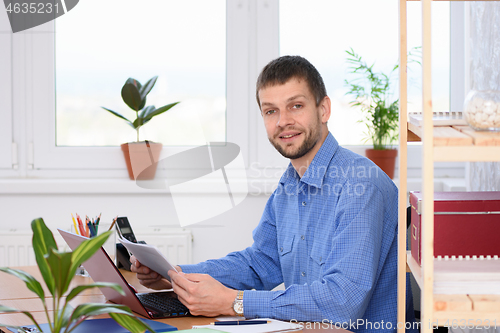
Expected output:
(230, 318)
(149, 255)
(200, 330)
(273, 326)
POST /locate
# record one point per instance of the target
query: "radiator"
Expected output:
(174, 243)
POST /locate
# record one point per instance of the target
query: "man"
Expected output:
(329, 230)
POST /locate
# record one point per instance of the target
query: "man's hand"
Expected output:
(203, 295)
(149, 278)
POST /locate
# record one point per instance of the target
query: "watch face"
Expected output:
(238, 307)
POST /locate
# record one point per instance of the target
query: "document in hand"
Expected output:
(273, 326)
(149, 255)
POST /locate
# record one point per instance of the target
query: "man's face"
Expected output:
(294, 124)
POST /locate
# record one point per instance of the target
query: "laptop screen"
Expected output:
(102, 269)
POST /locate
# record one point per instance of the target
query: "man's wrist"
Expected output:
(238, 304)
(229, 305)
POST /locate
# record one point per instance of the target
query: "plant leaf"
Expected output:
(132, 324)
(43, 241)
(60, 263)
(146, 110)
(85, 250)
(18, 329)
(138, 122)
(6, 309)
(159, 111)
(94, 309)
(77, 290)
(371, 92)
(30, 281)
(65, 316)
(145, 89)
(138, 84)
(131, 95)
(116, 114)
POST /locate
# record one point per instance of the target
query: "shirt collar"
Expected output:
(316, 171)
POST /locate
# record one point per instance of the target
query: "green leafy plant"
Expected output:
(372, 92)
(58, 269)
(134, 95)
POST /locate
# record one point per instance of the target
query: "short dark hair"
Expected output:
(282, 69)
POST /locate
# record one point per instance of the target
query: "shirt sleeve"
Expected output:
(349, 275)
(350, 272)
(256, 267)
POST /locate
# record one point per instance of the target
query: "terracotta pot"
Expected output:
(385, 159)
(142, 159)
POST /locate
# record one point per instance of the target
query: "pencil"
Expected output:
(80, 225)
(87, 232)
(91, 229)
(97, 223)
(74, 223)
(113, 224)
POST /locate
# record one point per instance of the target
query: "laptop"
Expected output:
(102, 269)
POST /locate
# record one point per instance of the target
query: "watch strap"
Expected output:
(239, 299)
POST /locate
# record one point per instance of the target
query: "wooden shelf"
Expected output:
(452, 0)
(466, 154)
(460, 143)
(457, 310)
(450, 309)
(444, 135)
(414, 267)
(439, 144)
(457, 136)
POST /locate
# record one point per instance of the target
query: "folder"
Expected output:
(107, 325)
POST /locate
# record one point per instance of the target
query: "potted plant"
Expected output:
(141, 157)
(58, 269)
(372, 92)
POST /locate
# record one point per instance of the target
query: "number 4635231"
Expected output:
(32, 8)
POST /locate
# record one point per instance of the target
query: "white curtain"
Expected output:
(485, 75)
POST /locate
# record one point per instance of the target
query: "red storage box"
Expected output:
(465, 224)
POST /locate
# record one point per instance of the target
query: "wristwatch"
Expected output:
(238, 304)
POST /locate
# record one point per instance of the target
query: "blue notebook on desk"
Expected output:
(105, 325)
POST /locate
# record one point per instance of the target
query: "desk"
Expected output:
(13, 293)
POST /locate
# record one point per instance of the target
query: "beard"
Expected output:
(311, 138)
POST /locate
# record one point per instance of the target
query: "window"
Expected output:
(73, 134)
(322, 30)
(183, 42)
(49, 91)
(6, 138)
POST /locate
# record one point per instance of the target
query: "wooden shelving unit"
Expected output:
(459, 143)
(439, 144)
(457, 307)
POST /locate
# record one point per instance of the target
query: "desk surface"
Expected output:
(13, 293)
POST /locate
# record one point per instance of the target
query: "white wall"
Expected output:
(54, 200)
(213, 238)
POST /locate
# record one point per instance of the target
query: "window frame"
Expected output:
(7, 148)
(252, 40)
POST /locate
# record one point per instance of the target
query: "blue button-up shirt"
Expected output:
(331, 237)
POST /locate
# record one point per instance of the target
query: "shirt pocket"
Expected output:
(287, 245)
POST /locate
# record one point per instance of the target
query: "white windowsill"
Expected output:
(126, 186)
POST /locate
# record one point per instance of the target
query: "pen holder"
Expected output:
(110, 245)
(80, 271)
